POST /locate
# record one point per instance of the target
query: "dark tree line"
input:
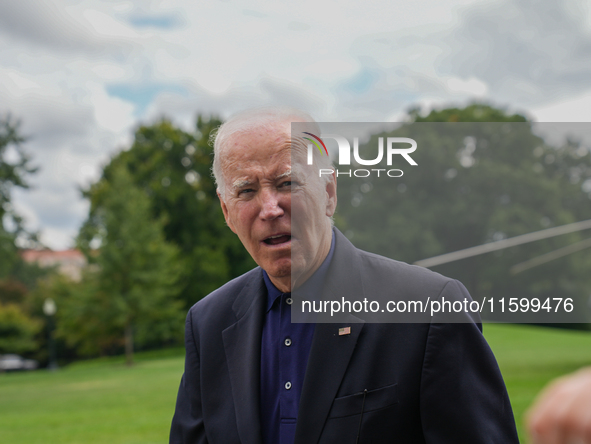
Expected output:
(156, 240)
(483, 175)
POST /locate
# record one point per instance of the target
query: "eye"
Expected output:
(287, 184)
(245, 191)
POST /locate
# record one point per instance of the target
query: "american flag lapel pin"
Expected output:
(344, 331)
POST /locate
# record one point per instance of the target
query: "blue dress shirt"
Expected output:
(284, 355)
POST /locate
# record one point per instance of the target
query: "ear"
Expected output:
(226, 213)
(331, 195)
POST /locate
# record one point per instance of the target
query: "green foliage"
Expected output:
(8, 252)
(14, 167)
(12, 292)
(130, 291)
(28, 274)
(476, 112)
(17, 330)
(13, 172)
(82, 317)
(173, 167)
(482, 175)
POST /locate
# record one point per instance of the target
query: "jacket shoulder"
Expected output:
(222, 299)
(382, 263)
(411, 279)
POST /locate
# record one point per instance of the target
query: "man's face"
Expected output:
(261, 190)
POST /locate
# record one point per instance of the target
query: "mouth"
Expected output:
(278, 239)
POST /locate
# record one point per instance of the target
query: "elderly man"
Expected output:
(252, 376)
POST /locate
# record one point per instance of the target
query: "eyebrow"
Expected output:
(240, 183)
(286, 174)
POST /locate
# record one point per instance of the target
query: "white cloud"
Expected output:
(59, 58)
(105, 25)
(112, 114)
(108, 71)
(472, 86)
(20, 83)
(46, 24)
(576, 109)
(526, 51)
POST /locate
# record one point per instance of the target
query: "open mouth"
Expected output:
(278, 239)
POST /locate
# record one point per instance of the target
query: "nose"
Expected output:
(271, 207)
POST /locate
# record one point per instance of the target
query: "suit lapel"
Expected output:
(330, 352)
(329, 357)
(242, 343)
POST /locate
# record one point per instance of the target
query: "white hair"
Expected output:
(244, 122)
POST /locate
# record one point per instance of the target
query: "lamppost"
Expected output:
(49, 308)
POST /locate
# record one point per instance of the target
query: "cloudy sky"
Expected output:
(81, 75)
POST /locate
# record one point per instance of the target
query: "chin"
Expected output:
(279, 270)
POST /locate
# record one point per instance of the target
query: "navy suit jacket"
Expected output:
(388, 383)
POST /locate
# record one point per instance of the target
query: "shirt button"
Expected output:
(288, 342)
(287, 385)
(289, 301)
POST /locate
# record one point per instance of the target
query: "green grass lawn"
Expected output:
(102, 401)
(92, 402)
(529, 357)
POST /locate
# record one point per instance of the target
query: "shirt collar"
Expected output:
(311, 286)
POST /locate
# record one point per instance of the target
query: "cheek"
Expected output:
(286, 201)
(243, 218)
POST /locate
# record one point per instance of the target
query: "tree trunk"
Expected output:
(129, 345)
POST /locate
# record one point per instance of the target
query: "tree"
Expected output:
(482, 175)
(12, 291)
(132, 289)
(173, 167)
(17, 330)
(14, 167)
